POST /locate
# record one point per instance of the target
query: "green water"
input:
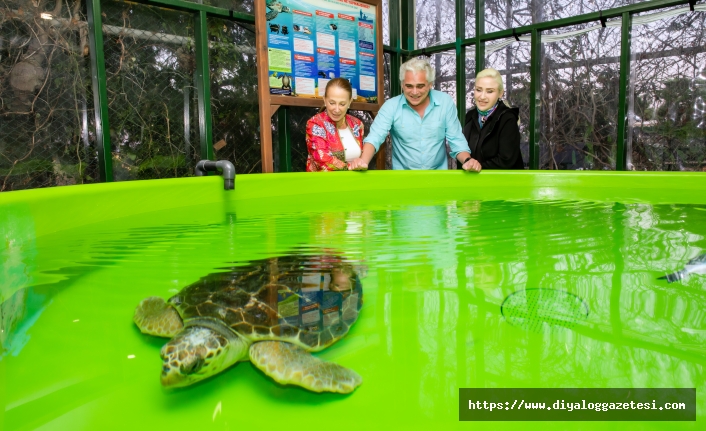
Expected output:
(431, 320)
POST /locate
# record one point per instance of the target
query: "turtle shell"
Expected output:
(310, 301)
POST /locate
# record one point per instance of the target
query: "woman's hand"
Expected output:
(357, 165)
(472, 165)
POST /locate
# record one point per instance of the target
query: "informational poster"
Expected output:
(310, 42)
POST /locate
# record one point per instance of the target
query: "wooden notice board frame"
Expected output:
(269, 103)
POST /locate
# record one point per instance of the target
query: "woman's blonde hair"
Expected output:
(491, 73)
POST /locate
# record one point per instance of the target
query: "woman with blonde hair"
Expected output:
(334, 138)
(491, 127)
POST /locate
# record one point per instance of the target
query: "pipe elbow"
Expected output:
(224, 166)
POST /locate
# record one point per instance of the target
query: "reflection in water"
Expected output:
(533, 309)
(287, 306)
(605, 254)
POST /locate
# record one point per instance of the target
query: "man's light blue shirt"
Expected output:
(418, 143)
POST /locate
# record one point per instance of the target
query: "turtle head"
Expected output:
(198, 352)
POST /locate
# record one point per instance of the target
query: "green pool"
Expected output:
(443, 251)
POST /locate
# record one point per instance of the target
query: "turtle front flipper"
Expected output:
(155, 317)
(290, 364)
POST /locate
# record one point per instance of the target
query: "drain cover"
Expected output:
(532, 308)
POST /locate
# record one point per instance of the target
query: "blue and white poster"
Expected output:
(310, 42)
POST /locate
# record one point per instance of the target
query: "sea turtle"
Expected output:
(272, 312)
(286, 82)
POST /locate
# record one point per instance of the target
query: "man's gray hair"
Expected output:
(418, 65)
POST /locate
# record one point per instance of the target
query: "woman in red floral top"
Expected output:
(334, 139)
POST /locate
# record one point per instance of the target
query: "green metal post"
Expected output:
(461, 59)
(480, 31)
(285, 144)
(407, 24)
(203, 85)
(623, 92)
(535, 98)
(100, 91)
(395, 63)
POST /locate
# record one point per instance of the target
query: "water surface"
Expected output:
(431, 320)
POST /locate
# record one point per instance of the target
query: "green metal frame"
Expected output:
(100, 90)
(396, 50)
(285, 140)
(623, 93)
(402, 46)
(460, 59)
(480, 32)
(202, 77)
(535, 98)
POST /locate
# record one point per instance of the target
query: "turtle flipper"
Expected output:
(155, 317)
(290, 364)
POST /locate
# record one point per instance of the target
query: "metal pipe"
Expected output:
(225, 167)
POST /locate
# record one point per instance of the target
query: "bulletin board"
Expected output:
(310, 42)
(302, 44)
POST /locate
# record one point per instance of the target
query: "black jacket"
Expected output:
(497, 144)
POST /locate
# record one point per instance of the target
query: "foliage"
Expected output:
(150, 63)
(669, 80)
(46, 100)
(47, 135)
(234, 98)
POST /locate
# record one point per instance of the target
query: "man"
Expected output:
(419, 121)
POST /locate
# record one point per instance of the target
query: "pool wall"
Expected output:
(54, 209)
(42, 221)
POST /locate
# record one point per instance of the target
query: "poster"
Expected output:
(309, 42)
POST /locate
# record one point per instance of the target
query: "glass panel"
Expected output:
(513, 63)
(150, 63)
(386, 22)
(470, 75)
(47, 130)
(505, 14)
(387, 77)
(436, 22)
(470, 72)
(668, 95)
(234, 102)
(579, 97)
(445, 65)
(470, 6)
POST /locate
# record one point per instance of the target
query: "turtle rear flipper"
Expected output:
(290, 364)
(155, 317)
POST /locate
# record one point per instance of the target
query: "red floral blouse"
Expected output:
(326, 152)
